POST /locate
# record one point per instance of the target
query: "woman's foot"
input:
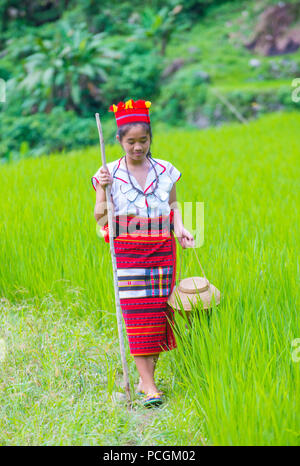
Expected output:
(140, 388)
(147, 390)
(146, 367)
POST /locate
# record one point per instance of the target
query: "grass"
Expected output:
(217, 43)
(232, 379)
(59, 378)
(268, 85)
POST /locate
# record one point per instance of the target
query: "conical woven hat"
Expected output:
(192, 290)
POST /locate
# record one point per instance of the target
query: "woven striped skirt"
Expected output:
(146, 266)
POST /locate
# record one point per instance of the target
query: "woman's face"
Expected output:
(136, 143)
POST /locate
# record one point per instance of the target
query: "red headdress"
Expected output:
(131, 111)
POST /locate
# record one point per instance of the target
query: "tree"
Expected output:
(158, 26)
(64, 68)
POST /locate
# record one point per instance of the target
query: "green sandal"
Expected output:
(153, 399)
(141, 392)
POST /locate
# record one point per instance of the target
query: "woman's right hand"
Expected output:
(105, 177)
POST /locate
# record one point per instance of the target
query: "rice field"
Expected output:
(234, 378)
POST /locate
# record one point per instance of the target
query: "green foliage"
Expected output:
(35, 135)
(98, 53)
(279, 68)
(157, 26)
(111, 16)
(250, 102)
(139, 75)
(184, 92)
(65, 70)
(6, 69)
(14, 14)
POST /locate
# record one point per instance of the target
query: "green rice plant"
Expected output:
(234, 378)
(111, 376)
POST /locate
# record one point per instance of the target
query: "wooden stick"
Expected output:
(114, 264)
(230, 106)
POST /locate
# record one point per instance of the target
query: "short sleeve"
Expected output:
(173, 172)
(95, 177)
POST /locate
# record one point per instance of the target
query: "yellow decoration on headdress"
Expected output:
(128, 104)
(115, 108)
(148, 104)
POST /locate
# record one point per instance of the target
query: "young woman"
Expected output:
(145, 215)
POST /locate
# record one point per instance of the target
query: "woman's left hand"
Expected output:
(185, 238)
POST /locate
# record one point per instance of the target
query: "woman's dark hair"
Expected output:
(123, 130)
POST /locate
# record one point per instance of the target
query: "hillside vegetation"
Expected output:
(63, 62)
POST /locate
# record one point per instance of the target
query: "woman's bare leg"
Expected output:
(146, 367)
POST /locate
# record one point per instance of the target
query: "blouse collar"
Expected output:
(120, 173)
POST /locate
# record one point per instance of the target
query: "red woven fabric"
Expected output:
(146, 273)
(138, 112)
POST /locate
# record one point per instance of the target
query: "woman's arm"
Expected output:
(100, 211)
(184, 237)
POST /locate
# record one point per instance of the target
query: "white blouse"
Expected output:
(127, 201)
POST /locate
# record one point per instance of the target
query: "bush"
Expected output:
(63, 68)
(250, 103)
(34, 135)
(183, 94)
(137, 76)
